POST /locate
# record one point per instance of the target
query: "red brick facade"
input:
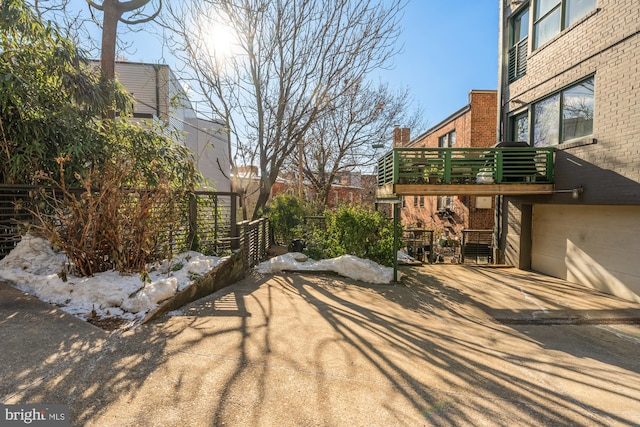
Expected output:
(353, 190)
(473, 126)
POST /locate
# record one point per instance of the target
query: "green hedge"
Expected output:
(354, 230)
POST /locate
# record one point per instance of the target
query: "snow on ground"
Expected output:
(34, 267)
(345, 265)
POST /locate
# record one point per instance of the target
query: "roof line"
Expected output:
(451, 117)
(441, 124)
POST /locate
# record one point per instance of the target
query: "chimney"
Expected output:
(401, 136)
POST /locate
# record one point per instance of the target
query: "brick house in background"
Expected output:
(570, 79)
(474, 125)
(352, 188)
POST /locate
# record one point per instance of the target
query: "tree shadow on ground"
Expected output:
(51, 357)
(455, 340)
(428, 343)
(311, 349)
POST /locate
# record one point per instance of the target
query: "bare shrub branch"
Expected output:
(105, 226)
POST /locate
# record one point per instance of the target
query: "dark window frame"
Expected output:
(518, 44)
(447, 140)
(561, 94)
(561, 8)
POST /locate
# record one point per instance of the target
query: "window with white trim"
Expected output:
(447, 140)
(446, 203)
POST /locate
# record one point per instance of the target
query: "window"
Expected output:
(518, 45)
(565, 115)
(448, 140)
(520, 127)
(552, 16)
(422, 201)
(446, 203)
(576, 9)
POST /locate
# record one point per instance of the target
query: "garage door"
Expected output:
(597, 246)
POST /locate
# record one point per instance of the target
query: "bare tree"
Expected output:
(71, 21)
(350, 135)
(113, 12)
(292, 59)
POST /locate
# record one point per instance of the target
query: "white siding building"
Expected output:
(159, 95)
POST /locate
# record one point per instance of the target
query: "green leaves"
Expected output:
(49, 97)
(286, 216)
(357, 231)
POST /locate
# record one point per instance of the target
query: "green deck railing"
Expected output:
(508, 165)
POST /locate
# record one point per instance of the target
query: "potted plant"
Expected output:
(433, 174)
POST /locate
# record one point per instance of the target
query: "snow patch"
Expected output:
(346, 265)
(33, 267)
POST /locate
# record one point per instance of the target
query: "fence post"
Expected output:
(499, 165)
(216, 242)
(396, 215)
(265, 237)
(238, 242)
(193, 223)
(233, 213)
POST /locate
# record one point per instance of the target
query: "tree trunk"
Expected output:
(108, 55)
(263, 195)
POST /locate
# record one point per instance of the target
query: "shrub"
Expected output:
(133, 178)
(356, 231)
(108, 226)
(50, 98)
(286, 216)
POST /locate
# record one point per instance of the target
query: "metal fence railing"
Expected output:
(212, 221)
(477, 246)
(14, 213)
(528, 165)
(254, 237)
(207, 223)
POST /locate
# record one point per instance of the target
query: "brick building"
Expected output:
(352, 188)
(570, 79)
(474, 125)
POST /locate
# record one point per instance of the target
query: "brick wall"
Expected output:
(481, 218)
(401, 136)
(484, 117)
(475, 126)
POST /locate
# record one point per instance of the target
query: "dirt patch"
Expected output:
(108, 323)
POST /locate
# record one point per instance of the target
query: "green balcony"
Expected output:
(465, 171)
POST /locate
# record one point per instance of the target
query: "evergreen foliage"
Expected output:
(286, 216)
(50, 99)
(132, 178)
(354, 230)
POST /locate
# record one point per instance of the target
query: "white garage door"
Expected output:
(596, 246)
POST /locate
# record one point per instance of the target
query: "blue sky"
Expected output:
(449, 48)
